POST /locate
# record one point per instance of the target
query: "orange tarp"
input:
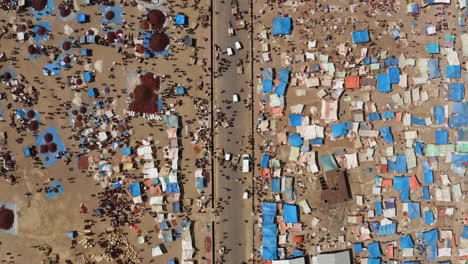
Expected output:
(387, 183)
(352, 82)
(389, 251)
(266, 174)
(398, 116)
(383, 168)
(276, 110)
(283, 226)
(414, 183)
(298, 239)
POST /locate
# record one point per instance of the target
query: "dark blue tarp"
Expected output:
(267, 86)
(456, 92)
(453, 71)
(405, 196)
(290, 213)
(378, 208)
(418, 121)
(414, 210)
(361, 36)
(339, 130)
(387, 134)
(441, 136)
(434, 71)
(265, 161)
(394, 74)
(283, 75)
(295, 140)
(276, 185)
(429, 177)
(374, 250)
(407, 242)
(399, 165)
(428, 217)
(383, 83)
(295, 120)
(419, 148)
(431, 236)
(374, 116)
(439, 115)
(282, 26)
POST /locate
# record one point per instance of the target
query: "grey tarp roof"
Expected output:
(341, 257)
(267, 74)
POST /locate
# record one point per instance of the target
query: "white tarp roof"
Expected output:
(300, 260)
(342, 257)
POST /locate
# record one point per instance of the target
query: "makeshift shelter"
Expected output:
(335, 187)
(361, 36)
(338, 257)
(290, 213)
(282, 26)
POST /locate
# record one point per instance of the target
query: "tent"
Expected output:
(407, 242)
(295, 140)
(275, 185)
(441, 137)
(282, 26)
(283, 75)
(352, 82)
(431, 236)
(387, 134)
(383, 83)
(339, 130)
(414, 210)
(290, 213)
(181, 19)
(374, 250)
(267, 86)
(361, 36)
(434, 71)
(281, 88)
(453, 71)
(135, 189)
(339, 257)
(456, 92)
(433, 48)
(295, 120)
(328, 162)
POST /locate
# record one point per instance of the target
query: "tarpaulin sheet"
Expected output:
(270, 253)
(281, 89)
(374, 250)
(200, 183)
(265, 161)
(433, 48)
(431, 252)
(434, 71)
(172, 187)
(383, 83)
(459, 158)
(465, 232)
(387, 230)
(378, 208)
(453, 71)
(282, 26)
(267, 86)
(429, 177)
(387, 134)
(361, 36)
(394, 74)
(276, 185)
(374, 116)
(431, 236)
(407, 242)
(399, 165)
(267, 74)
(295, 140)
(270, 241)
(388, 115)
(357, 247)
(374, 261)
(405, 195)
(414, 210)
(283, 75)
(460, 108)
(388, 62)
(419, 148)
(439, 115)
(426, 193)
(269, 208)
(441, 136)
(135, 189)
(428, 217)
(456, 92)
(458, 121)
(414, 182)
(290, 213)
(352, 82)
(401, 183)
(295, 120)
(339, 130)
(418, 121)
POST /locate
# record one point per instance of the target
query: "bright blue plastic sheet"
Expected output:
(429, 217)
(465, 232)
(339, 130)
(374, 250)
(418, 121)
(295, 120)
(265, 161)
(267, 86)
(276, 185)
(387, 134)
(282, 26)
(394, 74)
(431, 236)
(414, 210)
(290, 213)
(295, 140)
(453, 71)
(439, 115)
(135, 189)
(434, 71)
(357, 247)
(407, 242)
(383, 83)
(283, 75)
(361, 36)
(401, 183)
(426, 193)
(441, 136)
(456, 92)
(270, 253)
(431, 252)
(378, 208)
(281, 89)
(387, 230)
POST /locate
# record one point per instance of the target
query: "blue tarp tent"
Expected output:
(426, 193)
(290, 213)
(357, 247)
(458, 121)
(282, 26)
(394, 74)
(387, 230)
(281, 89)
(265, 161)
(399, 165)
(267, 86)
(401, 183)
(378, 208)
(434, 71)
(383, 83)
(374, 116)
(456, 92)
(270, 241)
(431, 252)
(181, 20)
(269, 230)
(328, 162)
(387, 134)
(295, 120)
(270, 253)
(453, 71)
(414, 210)
(339, 130)
(439, 115)
(418, 121)
(465, 232)
(441, 136)
(361, 36)
(374, 261)
(374, 250)
(388, 115)
(428, 217)
(429, 177)
(135, 189)
(283, 75)
(88, 77)
(460, 108)
(433, 48)
(276, 185)
(269, 208)
(407, 242)
(431, 236)
(295, 140)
